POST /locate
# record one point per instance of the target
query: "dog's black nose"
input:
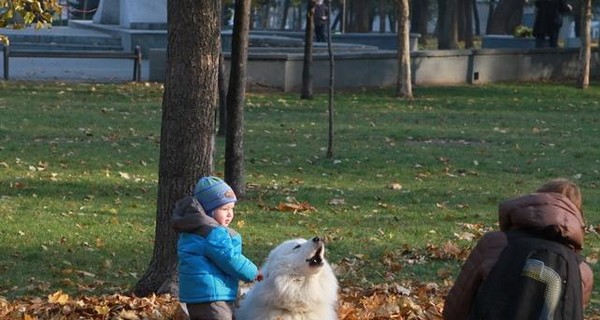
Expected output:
(316, 239)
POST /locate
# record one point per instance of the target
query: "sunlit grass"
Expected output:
(78, 176)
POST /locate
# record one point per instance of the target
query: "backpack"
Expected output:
(534, 278)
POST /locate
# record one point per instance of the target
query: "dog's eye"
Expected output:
(296, 247)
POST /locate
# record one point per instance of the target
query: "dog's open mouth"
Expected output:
(317, 259)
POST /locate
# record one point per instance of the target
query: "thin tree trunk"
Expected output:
(467, 23)
(344, 13)
(491, 10)
(447, 24)
(264, 17)
(506, 17)
(330, 143)
(298, 20)
(381, 16)
(585, 51)
(393, 21)
(460, 19)
(337, 20)
(307, 80)
(404, 85)
(234, 144)
(286, 8)
(222, 98)
(187, 128)
(476, 17)
(361, 14)
(418, 20)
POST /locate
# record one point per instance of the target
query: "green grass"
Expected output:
(78, 176)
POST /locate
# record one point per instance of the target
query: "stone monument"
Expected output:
(133, 14)
(136, 22)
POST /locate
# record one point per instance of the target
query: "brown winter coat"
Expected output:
(533, 212)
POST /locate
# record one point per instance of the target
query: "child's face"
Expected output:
(224, 214)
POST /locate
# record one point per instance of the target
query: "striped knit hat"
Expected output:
(212, 193)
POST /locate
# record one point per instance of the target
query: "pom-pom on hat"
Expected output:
(212, 192)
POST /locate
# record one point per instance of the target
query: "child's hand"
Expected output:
(259, 277)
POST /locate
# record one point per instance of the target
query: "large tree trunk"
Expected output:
(585, 52)
(360, 17)
(188, 126)
(506, 17)
(234, 147)
(307, 80)
(382, 16)
(447, 24)
(404, 85)
(419, 18)
(466, 24)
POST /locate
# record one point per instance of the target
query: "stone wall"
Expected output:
(283, 71)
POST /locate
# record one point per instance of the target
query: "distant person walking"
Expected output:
(321, 19)
(548, 20)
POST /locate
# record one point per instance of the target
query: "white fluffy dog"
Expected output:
(298, 284)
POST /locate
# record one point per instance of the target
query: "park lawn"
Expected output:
(410, 188)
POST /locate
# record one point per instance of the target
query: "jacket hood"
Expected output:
(539, 211)
(189, 216)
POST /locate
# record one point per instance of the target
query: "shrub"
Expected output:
(522, 31)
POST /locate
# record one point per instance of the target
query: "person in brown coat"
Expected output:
(553, 211)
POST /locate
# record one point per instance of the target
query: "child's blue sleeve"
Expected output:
(223, 253)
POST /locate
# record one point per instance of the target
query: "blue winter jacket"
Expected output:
(210, 256)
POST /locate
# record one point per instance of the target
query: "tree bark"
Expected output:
(222, 98)
(284, 18)
(467, 22)
(477, 22)
(382, 16)
(361, 16)
(307, 81)
(447, 24)
(298, 20)
(331, 87)
(404, 85)
(187, 129)
(234, 145)
(585, 51)
(419, 18)
(264, 17)
(491, 10)
(506, 17)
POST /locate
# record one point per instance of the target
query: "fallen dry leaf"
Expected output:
(296, 207)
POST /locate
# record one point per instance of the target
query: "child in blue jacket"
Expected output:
(210, 256)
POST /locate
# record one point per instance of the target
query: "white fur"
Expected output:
(292, 288)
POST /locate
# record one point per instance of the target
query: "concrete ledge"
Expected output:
(283, 71)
